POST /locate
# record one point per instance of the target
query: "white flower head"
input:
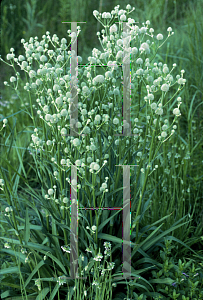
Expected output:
(164, 134)
(12, 79)
(76, 142)
(95, 13)
(134, 50)
(145, 47)
(63, 131)
(97, 118)
(159, 111)
(115, 121)
(108, 74)
(32, 74)
(181, 81)
(119, 42)
(123, 17)
(96, 167)
(176, 111)
(139, 61)
(108, 15)
(151, 97)
(9, 56)
(159, 37)
(63, 161)
(48, 117)
(46, 108)
(50, 191)
(21, 58)
(113, 28)
(43, 58)
(104, 185)
(24, 65)
(1, 182)
(165, 69)
(99, 78)
(165, 87)
(59, 100)
(63, 41)
(143, 29)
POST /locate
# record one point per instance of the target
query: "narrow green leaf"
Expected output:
(153, 241)
(27, 228)
(5, 294)
(37, 267)
(162, 281)
(112, 238)
(20, 298)
(145, 241)
(56, 261)
(9, 270)
(133, 274)
(106, 221)
(39, 25)
(119, 189)
(138, 245)
(12, 115)
(177, 240)
(43, 294)
(56, 239)
(191, 104)
(29, 9)
(6, 161)
(34, 227)
(15, 286)
(157, 222)
(55, 290)
(14, 254)
(21, 162)
(29, 245)
(71, 293)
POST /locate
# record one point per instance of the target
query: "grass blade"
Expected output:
(27, 228)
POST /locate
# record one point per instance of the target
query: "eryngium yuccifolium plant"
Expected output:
(97, 149)
(49, 83)
(99, 104)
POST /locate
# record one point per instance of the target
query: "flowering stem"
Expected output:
(139, 93)
(87, 178)
(31, 105)
(100, 151)
(165, 202)
(119, 168)
(145, 181)
(93, 190)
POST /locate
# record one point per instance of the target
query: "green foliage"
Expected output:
(169, 211)
(187, 277)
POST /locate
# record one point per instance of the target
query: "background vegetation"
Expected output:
(23, 19)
